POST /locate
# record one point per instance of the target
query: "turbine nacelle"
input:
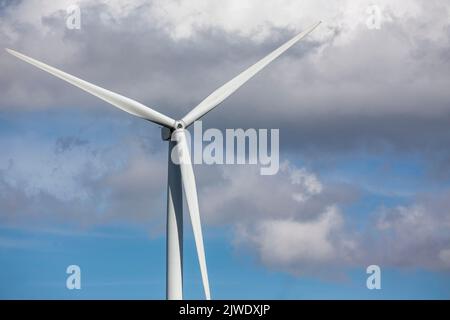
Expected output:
(166, 133)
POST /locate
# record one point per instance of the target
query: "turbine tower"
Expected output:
(180, 171)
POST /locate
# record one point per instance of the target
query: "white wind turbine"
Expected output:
(178, 175)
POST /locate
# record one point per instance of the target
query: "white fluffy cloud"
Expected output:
(299, 247)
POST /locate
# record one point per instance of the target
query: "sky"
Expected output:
(363, 112)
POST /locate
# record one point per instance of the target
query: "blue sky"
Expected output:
(364, 175)
(123, 263)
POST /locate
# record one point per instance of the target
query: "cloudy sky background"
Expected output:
(364, 133)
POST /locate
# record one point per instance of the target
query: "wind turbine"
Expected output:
(180, 171)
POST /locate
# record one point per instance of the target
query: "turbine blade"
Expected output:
(215, 98)
(117, 100)
(190, 190)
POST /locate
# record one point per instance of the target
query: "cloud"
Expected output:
(413, 235)
(299, 247)
(239, 194)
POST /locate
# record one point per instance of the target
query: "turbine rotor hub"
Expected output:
(179, 125)
(166, 133)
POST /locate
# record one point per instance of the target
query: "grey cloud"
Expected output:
(380, 90)
(413, 235)
(377, 89)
